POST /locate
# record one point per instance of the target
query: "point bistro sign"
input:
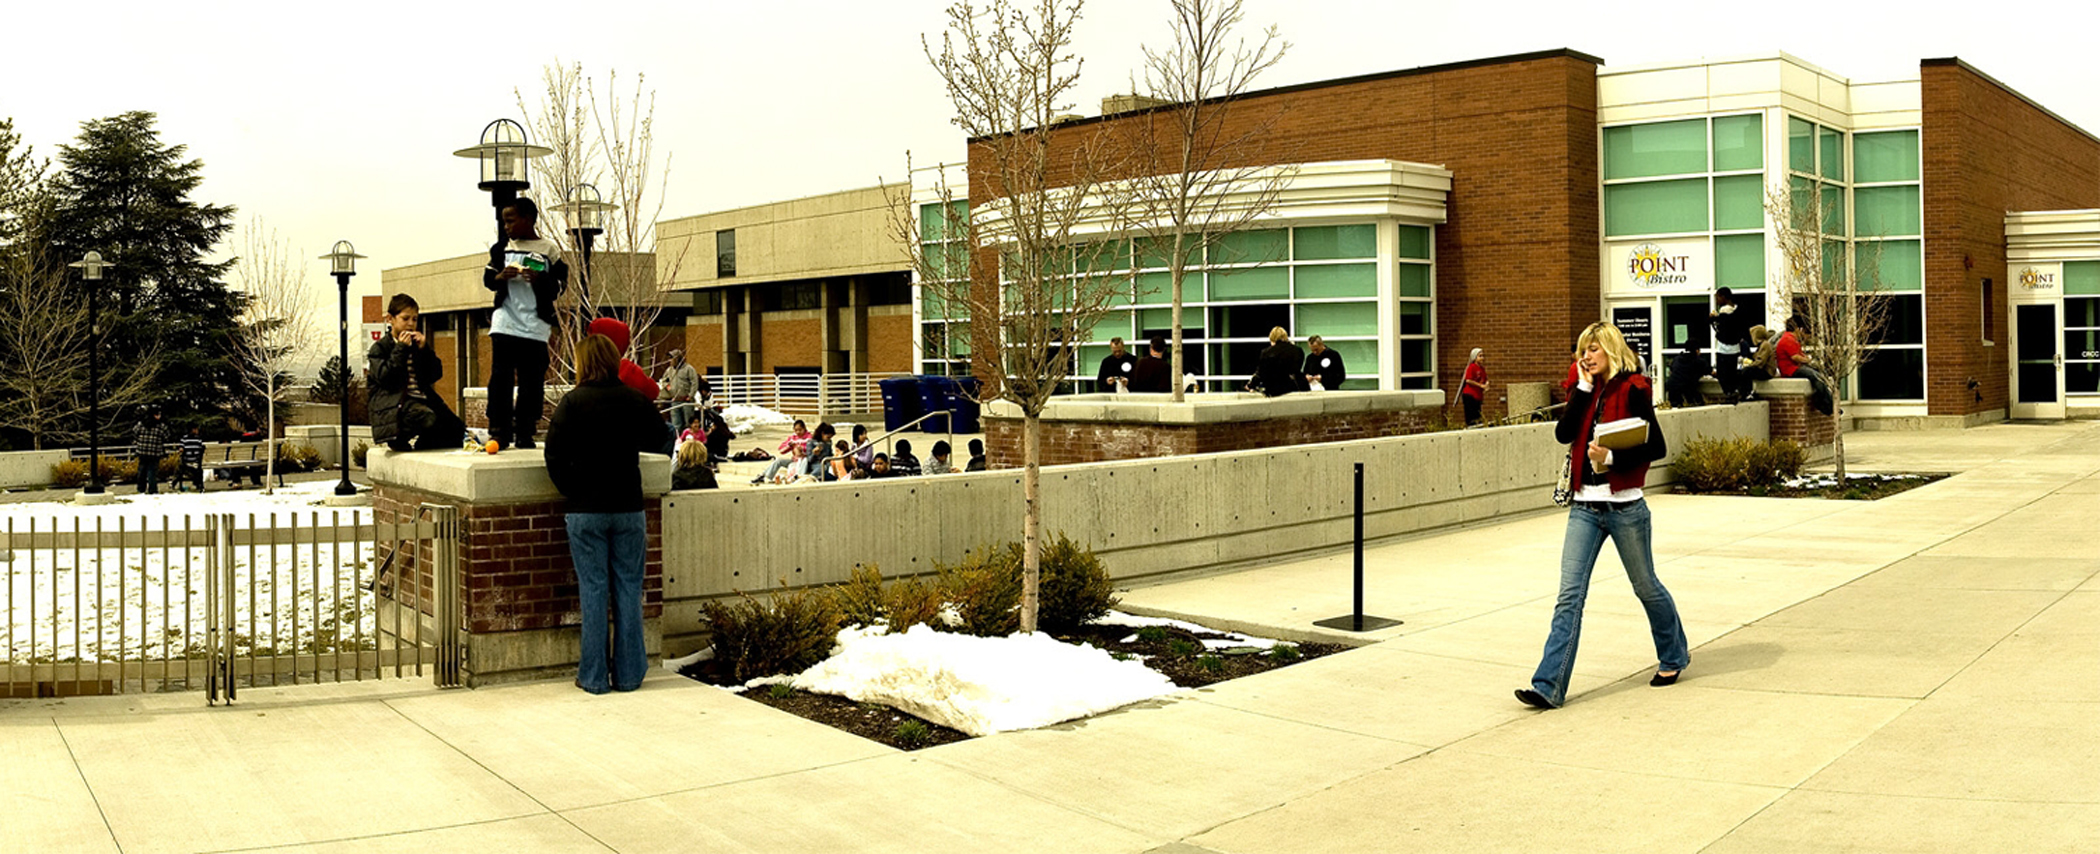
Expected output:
(1678, 266)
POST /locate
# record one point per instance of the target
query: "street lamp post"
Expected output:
(503, 151)
(91, 267)
(586, 210)
(342, 262)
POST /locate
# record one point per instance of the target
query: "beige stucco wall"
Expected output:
(454, 284)
(836, 234)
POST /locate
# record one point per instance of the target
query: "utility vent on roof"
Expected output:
(1061, 118)
(1114, 104)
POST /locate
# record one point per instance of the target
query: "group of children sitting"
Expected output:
(822, 457)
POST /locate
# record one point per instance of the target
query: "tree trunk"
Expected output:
(1179, 273)
(270, 439)
(1837, 445)
(1032, 517)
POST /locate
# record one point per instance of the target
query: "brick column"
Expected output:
(520, 586)
(1792, 417)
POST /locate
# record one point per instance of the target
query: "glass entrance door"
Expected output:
(2038, 366)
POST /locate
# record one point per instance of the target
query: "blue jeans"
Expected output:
(1628, 527)
(608, 550)
(149, 474)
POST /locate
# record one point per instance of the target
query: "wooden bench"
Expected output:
(239, 459)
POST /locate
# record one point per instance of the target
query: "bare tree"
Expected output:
(1028, 263)
(1832, 286)
(606, 140)
(45, 336)
(277, 330)
(1195, 183)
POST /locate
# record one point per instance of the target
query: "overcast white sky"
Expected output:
(338, 121)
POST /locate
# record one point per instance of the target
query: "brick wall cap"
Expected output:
(511, 477)
(554, 392)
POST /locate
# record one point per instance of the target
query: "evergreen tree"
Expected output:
(123, 192)
(331, 381)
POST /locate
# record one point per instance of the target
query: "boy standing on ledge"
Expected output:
(527, 274)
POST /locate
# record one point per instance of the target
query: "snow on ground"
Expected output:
(1231, 641)
(980, 685)
(744, 417)
(1824, 480)
(90, 605)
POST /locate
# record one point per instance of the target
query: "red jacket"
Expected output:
(1474, 371)
(1628, 395)
(630, 373)
(1788, 349)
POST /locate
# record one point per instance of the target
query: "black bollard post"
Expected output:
(1356, 621)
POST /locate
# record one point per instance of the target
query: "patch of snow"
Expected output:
(676, 664)
(745, 417)
(981, 685)
(1118, 618)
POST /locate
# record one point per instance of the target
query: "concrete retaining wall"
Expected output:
(1143, 517)
(28, 468)
(326, 438)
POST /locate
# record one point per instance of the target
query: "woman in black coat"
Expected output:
(1277, 371)
(594, 443)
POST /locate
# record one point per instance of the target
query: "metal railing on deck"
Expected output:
(221, 602)
(802, 395)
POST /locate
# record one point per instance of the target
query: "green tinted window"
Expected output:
(1252, 247)
(1110, 290)
(934, 226)
(1885, 156)
(1414, 280)
(1659, 148)
(1655, 207)
(1152, 254)
(1739, 142)
(1833, 210)
(2082, 277)
(1163, 318)
(1891, 211)
(1157, 288)
(1338, 318)
(1831, 146)
(1414, 242)
(1800, 145)
(1328, 242)
(930, 305)
(1415, 318)
(1359, 357)
(1103, 256)
(1415, 354)
(1834, 267)
(1801, 202)
(1257, 283)
(1337, 280)
(1892, 265)
(1739, 261)
(1739, 202)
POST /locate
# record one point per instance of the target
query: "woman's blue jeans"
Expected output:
(608, 549)
(1627, 525)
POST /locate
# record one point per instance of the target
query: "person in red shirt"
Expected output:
(1788, 349)
(1473, 388)
(631, 374)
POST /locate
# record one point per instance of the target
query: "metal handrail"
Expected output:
(1534, 415)
(906, 426)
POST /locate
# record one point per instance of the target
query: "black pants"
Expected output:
(1472, 405)
(519, 362)
(1730, 376)
(426, 424)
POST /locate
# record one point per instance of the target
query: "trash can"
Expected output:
(963, 402)
(934, 395)
(901, 402)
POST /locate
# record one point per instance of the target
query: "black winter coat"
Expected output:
(593, 441)
(387, 364)
(1276, 373)
(547, 285)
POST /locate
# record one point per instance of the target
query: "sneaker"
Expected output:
(525, 443)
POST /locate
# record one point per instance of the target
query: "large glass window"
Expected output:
(1657, 148)
(2082, 329)
(1739, 142)
(1885, 156)
(725, 253)
(1655, 207)
(944, 338)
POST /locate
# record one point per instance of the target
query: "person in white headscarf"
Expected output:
(1473, 389)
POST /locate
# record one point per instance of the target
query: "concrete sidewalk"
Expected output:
(1913, 674)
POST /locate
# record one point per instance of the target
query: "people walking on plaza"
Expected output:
(1155, 372)
(940, 461)
(527, 274)
(1276, 370)
(1116, 367)
(403, 371)
(149, 442)
(1472, 388)
(192, 468)
(1687, 368)
(1323, 366)
(1608, 504)
(594, 443)
(1731, 334)
(680, 384)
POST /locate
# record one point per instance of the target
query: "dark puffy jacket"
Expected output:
(593, 441)
(387, 362)
(547, 285)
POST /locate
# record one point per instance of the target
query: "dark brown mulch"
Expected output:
(1856, 488)
(1177, 653)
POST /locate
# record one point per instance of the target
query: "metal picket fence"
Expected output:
(223, 602)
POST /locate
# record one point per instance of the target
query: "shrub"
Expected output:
(1284, 652)
(865, 600)
(67, 474)
(985, 588)
(1152, 634)
(119, 471)
(1726, 465)
(358, 452)
(1075, 589)
(298, 457)
(169, 466)
(859, 600)
(791, 631)
(910, 601)
(911, 733)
